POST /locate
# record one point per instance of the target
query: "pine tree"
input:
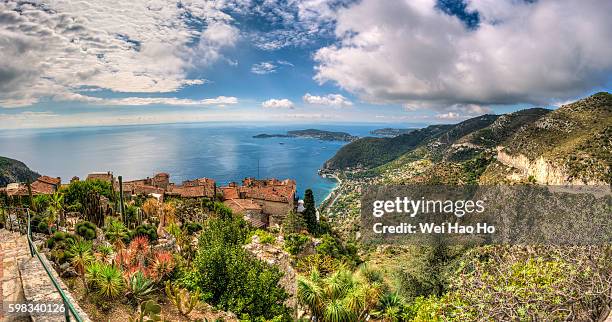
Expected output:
(310, 212)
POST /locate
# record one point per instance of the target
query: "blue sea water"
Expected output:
(224, 152)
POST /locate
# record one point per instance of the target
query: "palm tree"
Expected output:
(81, 256)
(56, 209)
(342, 296)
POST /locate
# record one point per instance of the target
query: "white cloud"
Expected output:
(294, 23)
(335, 100)
(56, 47)
(449, 116)
(277, 103)
(285, 63)
(263, 68)
(409, 53)
(268, 67)
(138, 101)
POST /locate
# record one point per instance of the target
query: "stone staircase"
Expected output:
(13, 251)
(24, 280)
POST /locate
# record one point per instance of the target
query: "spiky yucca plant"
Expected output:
(92, 273)
(110, 282)
(104, 253)
(81, 256)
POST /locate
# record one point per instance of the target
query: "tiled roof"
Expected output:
(49, 180)
(230, 193)
(242, 205)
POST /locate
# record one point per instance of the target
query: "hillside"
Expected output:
(576, 139)
(15, 171)
(390, 132)
(312, 134)
(371, 152)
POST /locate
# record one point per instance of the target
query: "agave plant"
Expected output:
(81, 256)
(110, 283)
(139, 287)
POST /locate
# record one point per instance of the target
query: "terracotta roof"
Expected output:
(268, 189)
(230, 193)
(104, 176)
(49, 180)
(255, 222)
(242, 205)
(193, 191)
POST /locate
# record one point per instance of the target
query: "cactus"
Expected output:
(149, 312)
(184, 301)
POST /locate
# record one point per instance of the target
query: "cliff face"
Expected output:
(540, 169)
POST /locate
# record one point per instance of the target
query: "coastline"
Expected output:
(332, 193)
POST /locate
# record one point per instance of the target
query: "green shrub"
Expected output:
(193, 227)
(293, 223)
(294, 243)
(264, 236)
(86, 230)
(38, 224)
(59, 244)
(76, 193)
(148, 231)
(229, 277)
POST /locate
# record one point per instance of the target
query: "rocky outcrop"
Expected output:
(273, 254)
(541, 170)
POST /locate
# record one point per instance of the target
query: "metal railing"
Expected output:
(69, 308)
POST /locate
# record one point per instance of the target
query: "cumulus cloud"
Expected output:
(57, 47)
(410, 53)
(277, 103)
(335, 100)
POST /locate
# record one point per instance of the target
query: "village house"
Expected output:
(274, 197)
(198, 188)
(160, 186)
(43, 185)
(155, 186)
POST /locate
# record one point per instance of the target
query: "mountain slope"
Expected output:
(373, 152)
(15, 171)
(572, 144)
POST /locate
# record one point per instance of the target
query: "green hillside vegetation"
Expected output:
(15, 171)
(372, 152)
(490, 283)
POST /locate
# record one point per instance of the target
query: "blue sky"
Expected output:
(310, 61)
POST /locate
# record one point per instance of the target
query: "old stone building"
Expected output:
(275, 197)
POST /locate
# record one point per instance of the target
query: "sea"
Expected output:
(225, 152)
